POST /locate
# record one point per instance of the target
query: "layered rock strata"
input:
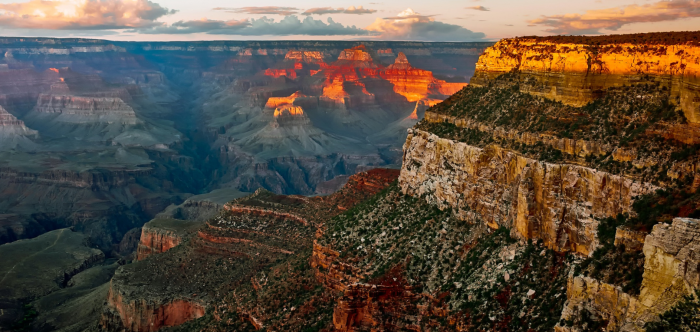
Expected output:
(578, 73)
(416, 84)
(147, 316)
(207, 272)
(105, 109)
(14, 134)
(670, 273)
(161, 235)
(559, 204)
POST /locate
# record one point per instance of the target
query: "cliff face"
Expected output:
(590, 176)
(576, 74)
(156, 240)
(14, 134)
(670, 274)
(555, 203)
(416, 84)
(108, 109)
(145, 316)
(234, 268)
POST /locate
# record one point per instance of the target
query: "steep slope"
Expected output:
(14, 134)
(41, 266)
(253, 238)
(592, 175)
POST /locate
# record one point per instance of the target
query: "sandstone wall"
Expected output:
(576, 74)
(557, 203)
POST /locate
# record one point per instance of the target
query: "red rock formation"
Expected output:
(363, 306)
(291, 73)
(155, 241)
(147, 316)
(289, 111)
(357, 53)
(274, 102)
(416, 84)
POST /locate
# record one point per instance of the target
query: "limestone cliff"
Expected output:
(583, 144)
(577, 73)
(556, 203)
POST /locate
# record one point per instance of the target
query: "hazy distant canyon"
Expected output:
(101, 137)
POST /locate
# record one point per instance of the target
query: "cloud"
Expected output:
(82, 15)
(593, 21)
(290, 25)
(409, 25)
(267, 10)
(479, 8)
(359, 10)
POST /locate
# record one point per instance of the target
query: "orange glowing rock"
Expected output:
(304, 56)
(290, 73)
(357, 53)
(416, 84)
(335, 90)
(275, 102)
(289, 110)
(449, 89)
(414, 115)
(54, 70)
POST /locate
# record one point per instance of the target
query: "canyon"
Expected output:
(557, 191)
(134, 145)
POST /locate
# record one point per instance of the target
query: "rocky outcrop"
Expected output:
(558, 204)
(330, 271)
(578, 73)
(416, 84)
(607, 302)
(156, 239)
(631, 239)
(145, 315)
(361, 305)
(14, 134)
(670, 273)
(103, 109)
(305, 56)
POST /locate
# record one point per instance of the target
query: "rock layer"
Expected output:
(556, 203)
(670, 273)
(576, 73)
(145, 316)
(14, 134)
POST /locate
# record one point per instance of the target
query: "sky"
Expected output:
(431, 20)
